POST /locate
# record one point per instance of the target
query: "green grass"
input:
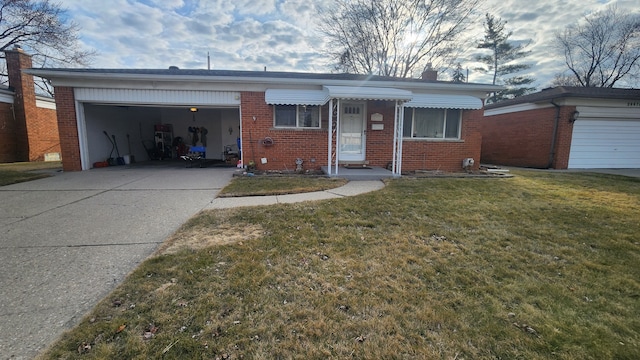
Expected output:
(539, 266)
(11, 173)
(278, 185)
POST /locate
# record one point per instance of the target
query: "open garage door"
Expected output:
(605, 140)
(145, 121)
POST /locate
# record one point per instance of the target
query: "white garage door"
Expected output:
(605, 143)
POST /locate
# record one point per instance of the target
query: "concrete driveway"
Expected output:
(68, 240)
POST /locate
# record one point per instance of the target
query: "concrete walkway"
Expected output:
(68, 240)
(350, 189)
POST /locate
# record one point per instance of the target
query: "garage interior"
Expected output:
(145, 133)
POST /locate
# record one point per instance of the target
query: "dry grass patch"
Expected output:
(539, 266)
(278, 185)
(198, 235)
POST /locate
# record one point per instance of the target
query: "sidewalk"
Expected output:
(350, 189)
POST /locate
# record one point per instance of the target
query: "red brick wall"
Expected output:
(379, 144)
(43, 134)
(524, 138)
(27, 132)
(288, 144)
(68, 129)
(446, 155)
(24, 103)
(14, 144)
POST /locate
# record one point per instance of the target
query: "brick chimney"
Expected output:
(429, 74)
(24, 103)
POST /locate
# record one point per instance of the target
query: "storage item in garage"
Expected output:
(164, 139)
(197, 154)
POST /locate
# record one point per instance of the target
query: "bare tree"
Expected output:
(391, 37)
(42, 29)
(602, 49)
(564, 80)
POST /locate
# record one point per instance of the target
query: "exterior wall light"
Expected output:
(574, 116)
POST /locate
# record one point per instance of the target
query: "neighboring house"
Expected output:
(322, 119)
(564, 127)
(28, 124)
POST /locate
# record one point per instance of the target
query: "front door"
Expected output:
(352, 132)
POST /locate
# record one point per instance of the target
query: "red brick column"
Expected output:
(24, 103)
(68, 129)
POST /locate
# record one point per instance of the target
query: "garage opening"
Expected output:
(152, 133)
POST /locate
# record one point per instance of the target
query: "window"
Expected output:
(432, 123)
(302, 116)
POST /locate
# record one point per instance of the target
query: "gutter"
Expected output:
(66, 78)
(552, 151)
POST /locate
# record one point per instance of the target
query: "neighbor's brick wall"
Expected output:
(68, 129)
(446, 155)
(563, 141)
(524, 138)
(13, 136)
(24, 103)
(26, 131)
(288, 144)
(43, 134)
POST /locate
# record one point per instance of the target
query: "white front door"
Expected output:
(352, 132)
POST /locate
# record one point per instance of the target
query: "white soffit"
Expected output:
(296, 97)
(440, 101)
(368, 93)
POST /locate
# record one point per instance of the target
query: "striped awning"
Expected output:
(296, 97)
(441, 101)
(367, 93)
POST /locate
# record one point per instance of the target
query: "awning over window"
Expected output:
(296, 97)
(440, 101)
(367, 93)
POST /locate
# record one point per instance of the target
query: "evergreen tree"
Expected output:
(500, 61)
(458, 74)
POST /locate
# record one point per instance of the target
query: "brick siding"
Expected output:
(524, 138)
(288, 144)
(446, 155)
(27, 132)
(68, 129)
(14, 144)
(308, 144)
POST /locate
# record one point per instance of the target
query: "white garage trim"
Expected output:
(605, 143)
(158, 97)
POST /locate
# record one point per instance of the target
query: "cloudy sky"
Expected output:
(280, 34)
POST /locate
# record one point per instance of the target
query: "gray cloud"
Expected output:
(250, 34)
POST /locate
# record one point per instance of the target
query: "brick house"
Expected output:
(564, 127)
(326, 120)
(28, 123)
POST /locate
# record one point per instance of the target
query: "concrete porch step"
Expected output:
(355, 173)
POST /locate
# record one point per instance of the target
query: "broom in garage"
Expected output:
(111, 161)
(119, 160)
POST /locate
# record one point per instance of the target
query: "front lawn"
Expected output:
(278, 185)
(11, 173)
(540, 266)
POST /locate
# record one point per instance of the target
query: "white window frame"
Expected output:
(298, 120)
(444, 125)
